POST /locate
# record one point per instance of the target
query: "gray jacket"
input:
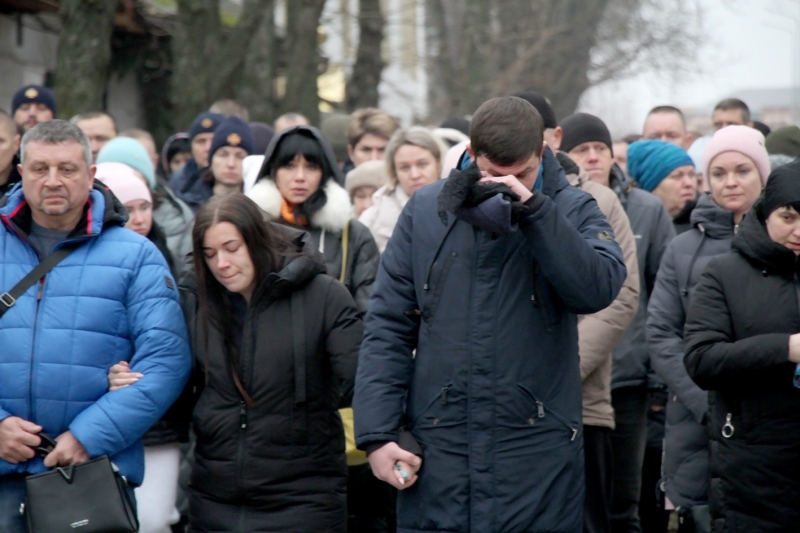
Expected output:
(685, 464)
(177, 220)
(653, 230)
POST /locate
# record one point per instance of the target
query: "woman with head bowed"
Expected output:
(736, 169)
(298, 186)
(743, 346)
(413, 159)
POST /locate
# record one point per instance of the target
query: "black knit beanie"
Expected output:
(783, 189)
(542, 105)
(582, 128)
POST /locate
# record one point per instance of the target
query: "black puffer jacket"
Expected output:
(743, 312)
(278, 466)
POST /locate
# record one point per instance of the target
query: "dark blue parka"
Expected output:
(493, 394)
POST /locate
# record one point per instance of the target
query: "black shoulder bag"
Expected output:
(90, 497)
(8, 299)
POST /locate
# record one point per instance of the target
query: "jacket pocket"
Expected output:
(540, 412)
(445, 409)
(546, 299)
(438, 286)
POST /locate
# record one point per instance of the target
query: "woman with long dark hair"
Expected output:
(743, 346)
(276, 343)
(298, 185)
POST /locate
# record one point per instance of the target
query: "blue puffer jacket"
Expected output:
(110, 300)
(493, 395)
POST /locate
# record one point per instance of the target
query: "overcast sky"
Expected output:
(751, 44)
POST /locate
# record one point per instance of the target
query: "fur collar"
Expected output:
(333, 216)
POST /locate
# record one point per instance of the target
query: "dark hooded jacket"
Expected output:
(493, 393)
(653, 230)
(685, 466)
(277, 465)
(327, 224)
(190, 186)
(683, 220)
(743, 311)
(13, 178)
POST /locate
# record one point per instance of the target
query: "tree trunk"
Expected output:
(195, 45)
(362, 88)
(254, 87)
(84, 54)
(206, 63)
(302, 58)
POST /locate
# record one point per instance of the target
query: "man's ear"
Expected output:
(17, 139)
(468, 147)
(92, 172)
(558, 134)
(350, 152)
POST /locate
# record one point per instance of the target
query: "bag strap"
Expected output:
(299, 337)
(8, 299)
(248, 400)
(345, 242)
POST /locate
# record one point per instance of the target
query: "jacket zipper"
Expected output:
(240, 448)
(39, 293)
(540, 412)
(440, 281)
(728, 429)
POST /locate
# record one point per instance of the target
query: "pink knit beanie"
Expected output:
(743, 139)
(124, 182)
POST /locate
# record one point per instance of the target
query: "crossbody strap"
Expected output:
(8, 299)
(299, 337)
(345, 245)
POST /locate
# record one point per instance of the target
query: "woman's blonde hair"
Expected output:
(414, 136)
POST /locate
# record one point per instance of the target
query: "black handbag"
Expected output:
(90, 497)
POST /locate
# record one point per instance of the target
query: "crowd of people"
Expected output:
(505, 323)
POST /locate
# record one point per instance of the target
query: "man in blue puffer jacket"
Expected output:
(112, 299)
(484, 277)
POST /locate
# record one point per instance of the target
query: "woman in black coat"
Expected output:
(742, 345)
(276, 344)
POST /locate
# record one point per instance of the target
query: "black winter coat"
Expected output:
(743, 312)
(278, 466)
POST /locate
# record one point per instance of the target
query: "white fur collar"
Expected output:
(332, 217)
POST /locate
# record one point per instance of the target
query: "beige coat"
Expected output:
(599, 333)
(381, 217)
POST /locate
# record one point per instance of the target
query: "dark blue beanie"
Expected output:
(649, 162)
(232, 131)
(33, 94)
(205, 123)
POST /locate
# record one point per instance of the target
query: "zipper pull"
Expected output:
(242, 415)
(540, 408)
(444, 394)
(40, 290)
(728, 429)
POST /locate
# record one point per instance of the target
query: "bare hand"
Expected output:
(120, 376)
(794, 348)
(68, 451)
(16, 438)
(513, 183)
(383, 460)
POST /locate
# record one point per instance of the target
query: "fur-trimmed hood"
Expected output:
(332, 217)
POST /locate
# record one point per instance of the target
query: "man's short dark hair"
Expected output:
(89, 115)
(668, 109)
(506, 130)
(734, 103)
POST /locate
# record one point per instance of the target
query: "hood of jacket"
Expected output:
(14, 176)
(753, 242)
(300, 265)
(337, 211)
(314, 133)
(103, 209)
(711, 219)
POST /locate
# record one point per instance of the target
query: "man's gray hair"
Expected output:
(56, 132)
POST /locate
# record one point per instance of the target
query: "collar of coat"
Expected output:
(333, 216)
(102, 209)
(754, 243)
